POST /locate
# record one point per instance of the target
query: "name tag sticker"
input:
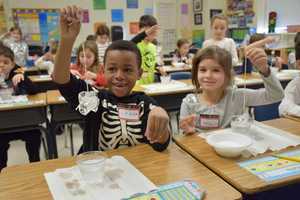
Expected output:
(209, 121)
(129, 112)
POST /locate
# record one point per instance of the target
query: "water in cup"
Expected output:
(91, 167)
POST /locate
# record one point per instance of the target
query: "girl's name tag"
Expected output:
(209, 121)
(129, 112)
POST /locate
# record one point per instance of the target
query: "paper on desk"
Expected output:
(264, 138)
(67, 184)
(164, 87)
(13, 99)
(240, 81)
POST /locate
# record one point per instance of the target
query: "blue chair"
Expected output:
(266, 112)
(180, 75)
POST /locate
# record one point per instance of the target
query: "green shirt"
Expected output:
(148, 51)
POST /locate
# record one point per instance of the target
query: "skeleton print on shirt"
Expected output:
(115, 132)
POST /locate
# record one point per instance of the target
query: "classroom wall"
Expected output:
(95, 15)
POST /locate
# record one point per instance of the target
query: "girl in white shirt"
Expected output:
(219, 26)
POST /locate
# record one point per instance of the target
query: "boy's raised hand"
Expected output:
(70, 22)
(188, 124)
(257, 55)
(158, 126)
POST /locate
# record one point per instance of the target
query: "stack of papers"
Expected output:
(264, 138)
(167, 87)
(67, 183)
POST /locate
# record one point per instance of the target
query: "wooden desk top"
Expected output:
(293, 118)
(54, 97)
(27, 181)
(240, 178)
(37, 100)
(40, 78)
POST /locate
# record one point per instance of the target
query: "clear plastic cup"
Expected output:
(91, 166)
(240, 124)
(165, 79)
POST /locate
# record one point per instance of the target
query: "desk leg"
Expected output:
(51, 140)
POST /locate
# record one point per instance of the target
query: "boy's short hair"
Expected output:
(91, 37)
(221, 56)
(147, 21)
(256, 37)
(102, 29)
(6, 52)
(182, 41)
(124, 45)
(220, 17)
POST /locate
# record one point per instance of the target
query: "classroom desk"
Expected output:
(228, 169)
(24, 116)
(169, 69)
(297, 119)
(61, 113)
(170, 100)
(27, 181)
(44, 82)
(35, 70)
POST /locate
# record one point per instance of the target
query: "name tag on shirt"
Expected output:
(209, 121)
(129, 112)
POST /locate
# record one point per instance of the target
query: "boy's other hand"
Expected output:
(188, 124)
(158, 126)
(152, 31)
(17, 79)
(70, 22)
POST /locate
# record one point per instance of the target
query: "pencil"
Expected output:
(295, 159)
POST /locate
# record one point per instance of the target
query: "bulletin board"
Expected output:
(240, 13)
(37, 25)
(3, 28)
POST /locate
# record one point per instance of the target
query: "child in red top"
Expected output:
(93, 73)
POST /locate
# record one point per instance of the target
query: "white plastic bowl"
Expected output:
(229, 144)
(179, 64)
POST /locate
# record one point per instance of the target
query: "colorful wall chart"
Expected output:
(38, 25)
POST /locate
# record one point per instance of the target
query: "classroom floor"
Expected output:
(17, 153)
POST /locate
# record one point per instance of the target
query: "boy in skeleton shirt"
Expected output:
(122, 117)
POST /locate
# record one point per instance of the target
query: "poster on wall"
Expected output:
(240, 13)
(132, 4)
(198, 19)
(38, 25)
(214, 12)
(99, 4)
(184, 9)
(117, 15)
(198, 37)
(134, 27)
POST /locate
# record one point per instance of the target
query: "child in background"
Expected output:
(293, 62)
(102, 40)
(274, 61)
(16, 43)
(16, 83)
(290, 104)
(93, 72)
(216, 101)
(182, 52)
(149, 28)
(47, 60)
(219, 26)
(122, 118)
